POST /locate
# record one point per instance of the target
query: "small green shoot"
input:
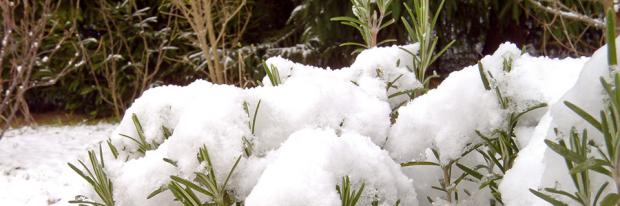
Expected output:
(483, 76)
(112, 148)
(272, 73)
(368, 21)
(204, 184)
(349, 196)
(143, 145)
(98, 179)
(421, 30)
(447, 184)
(248, 145)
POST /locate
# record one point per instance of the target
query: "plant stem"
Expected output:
(447, 170)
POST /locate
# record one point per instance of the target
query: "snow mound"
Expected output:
(538, 166)
(372, 71)
(446, 118)
(296, 178)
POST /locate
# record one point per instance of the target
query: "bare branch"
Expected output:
(571, 15)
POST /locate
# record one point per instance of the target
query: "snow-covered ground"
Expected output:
(33, 162)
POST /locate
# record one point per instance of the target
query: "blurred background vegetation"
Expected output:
(97, 56)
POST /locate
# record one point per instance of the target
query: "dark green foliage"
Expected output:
(307, 35)
(128, 46)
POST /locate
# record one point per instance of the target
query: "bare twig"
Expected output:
(23, 40)
(570, 14)
(209, 19)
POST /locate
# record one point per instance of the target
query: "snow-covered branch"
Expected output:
(572, 15)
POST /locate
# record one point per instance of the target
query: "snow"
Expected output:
(372, 70)
(33, 162)
(318, 126)
(296, 178)
(542, 166)
(447, 117)
(213, 115)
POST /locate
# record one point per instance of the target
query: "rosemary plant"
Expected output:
(421, 29)
(349, 196)
(577, 154)
(204, 184)
(368, 21)
(272, 73)
(499, 149)
(447, 184)
(97, 178)
(143, 145)
(248, 144)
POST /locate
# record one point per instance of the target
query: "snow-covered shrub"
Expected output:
(308, 166)
(382, 72)
(332, 119)
(572, 155)
(440, 127)
(293, 140)
(542, 166)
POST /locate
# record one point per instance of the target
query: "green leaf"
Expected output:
(254, 117)
(585, 115)
(561, 192)
(611, 199)
(157, 191)
(590, 164)
(469, 171)
(483, 77)
(171, 162)
(346, 18)
(548, 198)
(599, 192)
(611, 37)
(565, 152)
(352, 44)
(538, 106)
(418, 163)
(112, 148)
(191, 185)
